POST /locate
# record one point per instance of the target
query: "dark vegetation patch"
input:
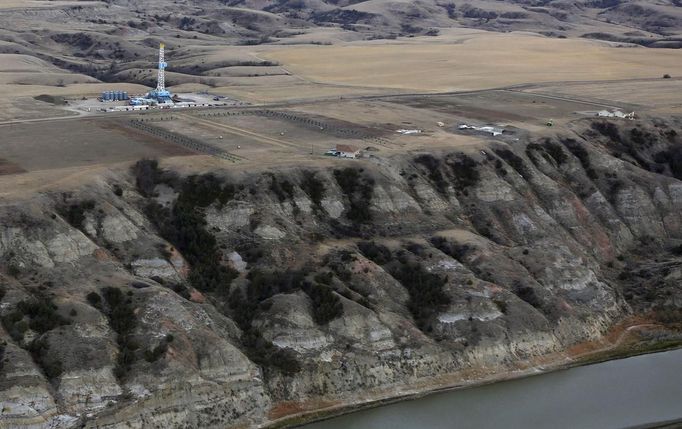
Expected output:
(454, 250)
(469, 11)
(313, 187)
(155, 353)
(74, 213)
(359, 189)
(427, 297)
(184, 226)
(40, 315)
(46, 360)
(515, 161)
(607, 129)
(342, 16)
(432, 166)
(147, 175)
(120, 312)
(202, 191)
(464, 170)
(514, 15)
(527, 294)
(283, 189)
(579, 151)
(250, 252)
(556, 152)
(551, 151)
(673, 157)
(57, 100)
(326, 305)
(378, 253)
(245, 307)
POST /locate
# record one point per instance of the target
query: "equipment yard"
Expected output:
(299, 132)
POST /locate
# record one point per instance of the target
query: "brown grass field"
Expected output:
(486, 61)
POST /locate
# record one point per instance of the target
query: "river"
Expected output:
(619, 394)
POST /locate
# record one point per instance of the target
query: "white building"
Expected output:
(347, 151)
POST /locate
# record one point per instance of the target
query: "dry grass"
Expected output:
(658, 93)
(483, 60)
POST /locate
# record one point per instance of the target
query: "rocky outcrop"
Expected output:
(523, 245)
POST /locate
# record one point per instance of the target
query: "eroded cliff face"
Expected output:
(332, 285)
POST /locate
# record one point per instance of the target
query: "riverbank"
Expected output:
(621, 341)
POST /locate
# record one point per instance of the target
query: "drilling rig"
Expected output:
(161, 94)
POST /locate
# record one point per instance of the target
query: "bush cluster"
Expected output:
(38, 314)
(378, 253)
(454, 250)
(427, 297)
(263, 285)
(202, 191)
(465, 171)
(245, 307)
(435, 175)
(580, 152)
(119, 310)
(74, 213)
(607, 129)
(283, 189)
(326, 305)
(313, 187)
(527, 294)
(359, 189)
(184, 226)
(515, 161)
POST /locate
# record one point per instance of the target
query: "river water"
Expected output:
(616, 394)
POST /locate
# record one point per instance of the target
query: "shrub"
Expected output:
(324, 278)
(94, 299)
(185, 227)
(427, 297)
(313, 187)
(515, 161)
(40, 350)
(675, 161)
(147, 176)
(13, 270)
(152, 355)
(266, 354)
(378, 253)
(123, 321)
(326, 305)
(501, 305)
(607, 129)
(581, 153)
(283, 189)
(527, 294)
(464, 170)
(74, 213)
(263, 285)
(42, 314)
(202, 191)
(454, 250)
(359, 189)
(432, 165)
